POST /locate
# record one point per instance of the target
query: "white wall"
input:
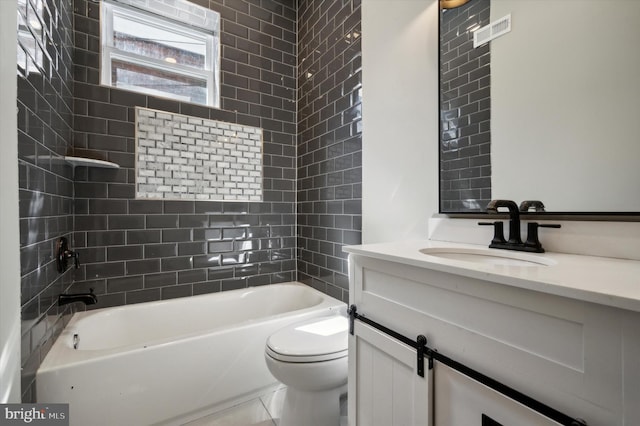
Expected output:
(400, 118)
(9, 229)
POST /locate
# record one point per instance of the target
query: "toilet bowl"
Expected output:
(310, 358)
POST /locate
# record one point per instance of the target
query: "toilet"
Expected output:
(310, 358)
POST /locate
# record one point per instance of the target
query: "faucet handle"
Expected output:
(63, 253)
(533, 242)
(76, 257)
(498, 231)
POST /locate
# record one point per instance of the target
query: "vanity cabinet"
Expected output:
(580, 358)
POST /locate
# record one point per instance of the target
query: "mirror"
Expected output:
(549, 111)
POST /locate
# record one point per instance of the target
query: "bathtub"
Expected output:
(172, 361)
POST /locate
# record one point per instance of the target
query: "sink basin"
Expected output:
(488, 256)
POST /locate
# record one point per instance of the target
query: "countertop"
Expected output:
(606, 281)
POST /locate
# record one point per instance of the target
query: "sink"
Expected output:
(488, 256)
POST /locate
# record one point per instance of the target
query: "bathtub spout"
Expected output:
(86, 298)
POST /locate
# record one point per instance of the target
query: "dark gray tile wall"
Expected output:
(329, 141)
(45, 119)
(142, 250)
(465, 114)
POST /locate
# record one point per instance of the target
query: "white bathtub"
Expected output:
(172, 361)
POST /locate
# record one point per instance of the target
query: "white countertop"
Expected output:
(602, 280)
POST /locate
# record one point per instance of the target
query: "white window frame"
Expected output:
(110, 52)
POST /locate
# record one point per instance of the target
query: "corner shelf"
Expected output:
(90, 162)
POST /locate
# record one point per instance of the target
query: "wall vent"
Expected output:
(491, 31)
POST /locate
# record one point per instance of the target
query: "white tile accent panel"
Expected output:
(182, 157)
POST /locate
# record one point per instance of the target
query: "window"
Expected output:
(31, 37)
(167, 49)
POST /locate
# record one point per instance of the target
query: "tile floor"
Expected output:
(263, 411)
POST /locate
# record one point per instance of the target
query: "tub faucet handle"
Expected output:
(63, 254)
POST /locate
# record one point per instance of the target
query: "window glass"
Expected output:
(158, 82)
(158, 43)
(148, 52)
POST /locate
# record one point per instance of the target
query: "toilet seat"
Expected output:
(315, 340)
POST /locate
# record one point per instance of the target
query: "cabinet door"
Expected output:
(462, 401)
(384, 387)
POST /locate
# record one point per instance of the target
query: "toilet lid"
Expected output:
(314, 340)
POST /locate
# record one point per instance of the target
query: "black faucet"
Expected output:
(515, 241)
(86, 298)
(514, 218)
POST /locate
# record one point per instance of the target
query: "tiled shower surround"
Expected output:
(292, 70)
(188, 158)
(329, 141)
(45, 118)
(465, 167)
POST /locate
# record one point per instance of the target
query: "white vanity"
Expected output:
(562, 329)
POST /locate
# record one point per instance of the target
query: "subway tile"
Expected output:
(207, 234)
(91, 92)
(162, 104)
(122, 284)
(109, 300)
(194, 221)
(206, 287)
(117, 190)
(160, 280)
(107, 206)
(104, 238)
(257, 256)
(234, 284)
(207, 261)
(145, 206)
(192, 276)
(257, 280)
(176, 263)
(141, 296)
(176, 235)
(159, 250)
(233, 233)
(126, 221)
(220, 247)
(140, 267)
(143, 236)
(91, 255)
(162, 221)
(219, 221)
(121, 128)
(104, 270)
(89, 223)
(182, 207)
(194, 110)
(176, 291)
(107, 111)
(90, 190)
(124, 253)
(191, 248)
